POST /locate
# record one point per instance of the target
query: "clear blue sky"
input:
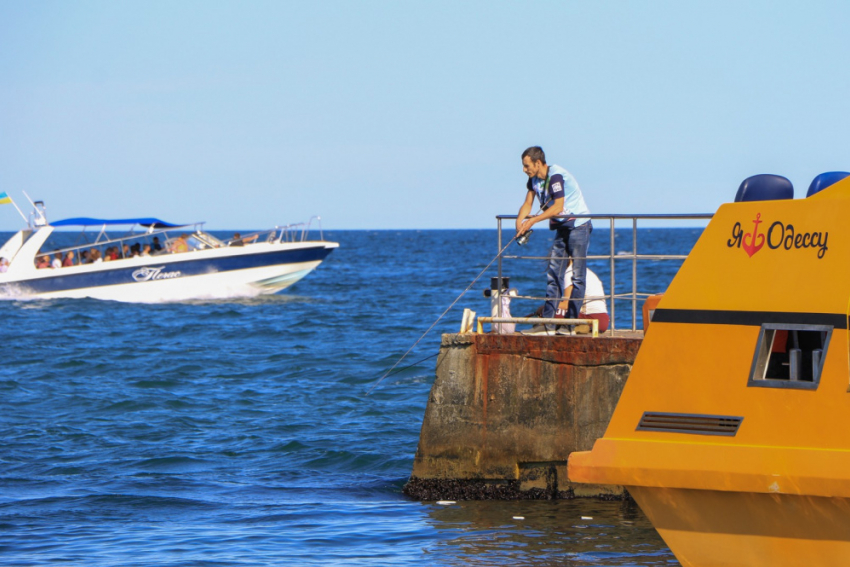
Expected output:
(411, 115)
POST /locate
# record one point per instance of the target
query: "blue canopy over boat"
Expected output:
(88, 221)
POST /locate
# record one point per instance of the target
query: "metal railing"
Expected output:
(299, 232)
(612, 257)
(592, 323)
(141, 237)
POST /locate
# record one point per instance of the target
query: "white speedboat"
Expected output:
(153, 261)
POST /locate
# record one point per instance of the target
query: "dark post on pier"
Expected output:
(506, 410)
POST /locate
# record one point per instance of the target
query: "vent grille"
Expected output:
(690, 423)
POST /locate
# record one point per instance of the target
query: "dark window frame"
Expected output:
(762, 355)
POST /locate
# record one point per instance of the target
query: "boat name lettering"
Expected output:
(779, 235)
(154, 273)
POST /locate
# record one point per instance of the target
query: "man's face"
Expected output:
(532, 168)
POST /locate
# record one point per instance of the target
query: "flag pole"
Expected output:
(37, 215)
(20, 212)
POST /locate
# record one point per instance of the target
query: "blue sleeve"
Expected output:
(556, 186)
(528, 185)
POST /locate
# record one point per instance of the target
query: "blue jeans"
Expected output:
(569, 243)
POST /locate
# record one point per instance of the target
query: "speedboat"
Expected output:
(152, 260)
(731, 431)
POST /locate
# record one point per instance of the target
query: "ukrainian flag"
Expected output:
(5, 199)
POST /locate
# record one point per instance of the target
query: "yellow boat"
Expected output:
(733, 430)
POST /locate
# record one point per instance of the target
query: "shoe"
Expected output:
(540, 330)
(566, 330)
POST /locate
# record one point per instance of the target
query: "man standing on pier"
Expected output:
(559, 195)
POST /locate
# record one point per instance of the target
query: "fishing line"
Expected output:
(434, 324)
(472, 283)
(412, 365)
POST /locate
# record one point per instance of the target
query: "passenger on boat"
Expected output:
(136, 249)
(57, 260)
(559, 194)
(84, 257)
(146, 251)
(42, 262)
(156, 246)
(95, 256)
(239, 241)
(179, 244)
(4, 265)
(69, 259)
(126, 250)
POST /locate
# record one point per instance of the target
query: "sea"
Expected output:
(267, 431)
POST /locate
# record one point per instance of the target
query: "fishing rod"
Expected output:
(516, 237)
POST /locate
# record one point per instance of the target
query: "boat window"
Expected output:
(790, 356)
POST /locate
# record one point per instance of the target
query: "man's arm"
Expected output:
(565, 301)
(524, 211)
(556, 209)
(556, 185)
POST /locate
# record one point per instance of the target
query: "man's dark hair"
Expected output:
(535, 153)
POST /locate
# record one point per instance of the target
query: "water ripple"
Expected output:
(238, 432)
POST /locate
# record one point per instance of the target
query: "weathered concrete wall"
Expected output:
(506, 411)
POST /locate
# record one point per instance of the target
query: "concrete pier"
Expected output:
(506, 411)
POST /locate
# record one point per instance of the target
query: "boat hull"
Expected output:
(711, 528)
(259, 269)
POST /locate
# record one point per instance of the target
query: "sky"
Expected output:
(401, 114)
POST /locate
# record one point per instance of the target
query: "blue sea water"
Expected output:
(240, 433)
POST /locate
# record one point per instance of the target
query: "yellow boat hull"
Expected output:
(712, 528)
(731, 432)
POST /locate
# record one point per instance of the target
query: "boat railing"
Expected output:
(298, 232)
(614, 258)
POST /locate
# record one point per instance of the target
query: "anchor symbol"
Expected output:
(756, 239)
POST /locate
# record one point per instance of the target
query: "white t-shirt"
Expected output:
(594, 293)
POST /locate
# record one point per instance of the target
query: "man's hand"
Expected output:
(526, 225)
(524, 212)
(530, 220)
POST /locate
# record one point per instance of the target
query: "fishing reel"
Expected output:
(522, 239)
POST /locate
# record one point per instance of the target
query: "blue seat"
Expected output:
(764, 187)
(824, 180)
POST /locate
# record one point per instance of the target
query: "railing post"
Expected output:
(634, 274)
(613, 279)
(499, 228)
